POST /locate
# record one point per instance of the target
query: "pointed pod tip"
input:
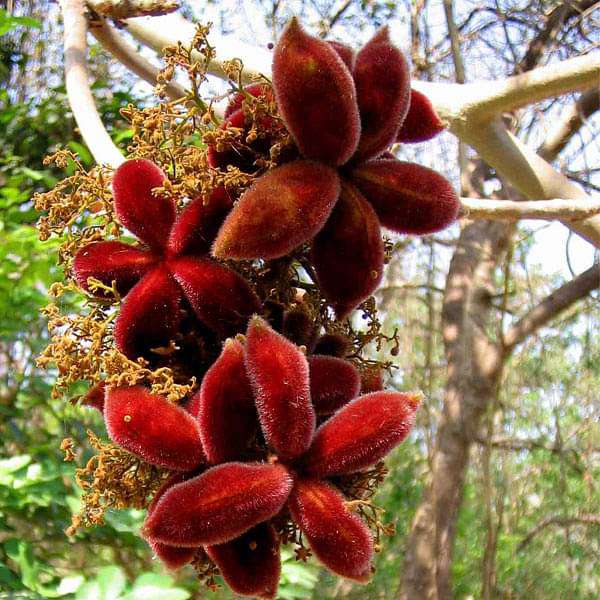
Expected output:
(257, 322)
(382, 34)
(415, 399)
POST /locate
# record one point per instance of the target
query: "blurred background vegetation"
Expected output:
(533, 474)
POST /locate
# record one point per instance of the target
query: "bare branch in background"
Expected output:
(127, 55)
(560, 522)
(79, 93)
(552, 305)
(571, 122)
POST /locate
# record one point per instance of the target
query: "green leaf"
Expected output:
(151, 586)
(112, 583)
(8, 22)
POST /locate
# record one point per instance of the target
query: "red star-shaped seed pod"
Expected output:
(343, 111)
(173, 266)
(263, 390)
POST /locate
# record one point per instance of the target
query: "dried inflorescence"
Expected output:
(243, 409)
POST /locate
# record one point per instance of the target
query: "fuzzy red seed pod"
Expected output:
(407, 197)
(279, 375)
(226, 411)
(149, 315)
(219, 505)
(95, 396)
(371, 380)
(145, 214)
(333, 344)
(339, 539)
(316, 96)
(283, 209)
(220, 297)
(348, 253)
(173, 557)
(346, 53)
(153, 428)
(382, 81)
(258, 90)
(333, 383)
(111, 261)
(196, 227)
(299, 327)
(422, 122)
(360, 434)
(250, 564)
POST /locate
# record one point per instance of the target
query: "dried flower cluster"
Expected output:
(242, 410)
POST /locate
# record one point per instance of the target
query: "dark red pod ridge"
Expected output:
(316, 96)
(279, 374)
(299, 327)
(219, 505)
(333, 344)
(382, 81)
(408, 198)
(422, 122)
(333, 383)
(360, 433)
(345, 52)
(339, 539)
(371, 380)
(148, 216)
(95, 396)
(220, 297)
(283, 209)
(173, 557)
(226, 411)
(153, 428)
(250, 564)
(196, 227)
(111, 261)
(348, 253)
(149, 315)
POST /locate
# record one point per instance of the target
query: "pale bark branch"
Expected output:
(590, 519)
(79, 93)
(559, 300)
(525, 170)
(127, 55)
(124, 9)
(550, 210)
(168, 30)
(550, 81)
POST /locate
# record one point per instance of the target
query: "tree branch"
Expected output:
(124, 9)
(79, 94)
(571, 122)
(501, 210)
(590, 519)
(126, 54)
(551, 306)
(159, 32)
(546, 37)
(525, 170)
(539, 84)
